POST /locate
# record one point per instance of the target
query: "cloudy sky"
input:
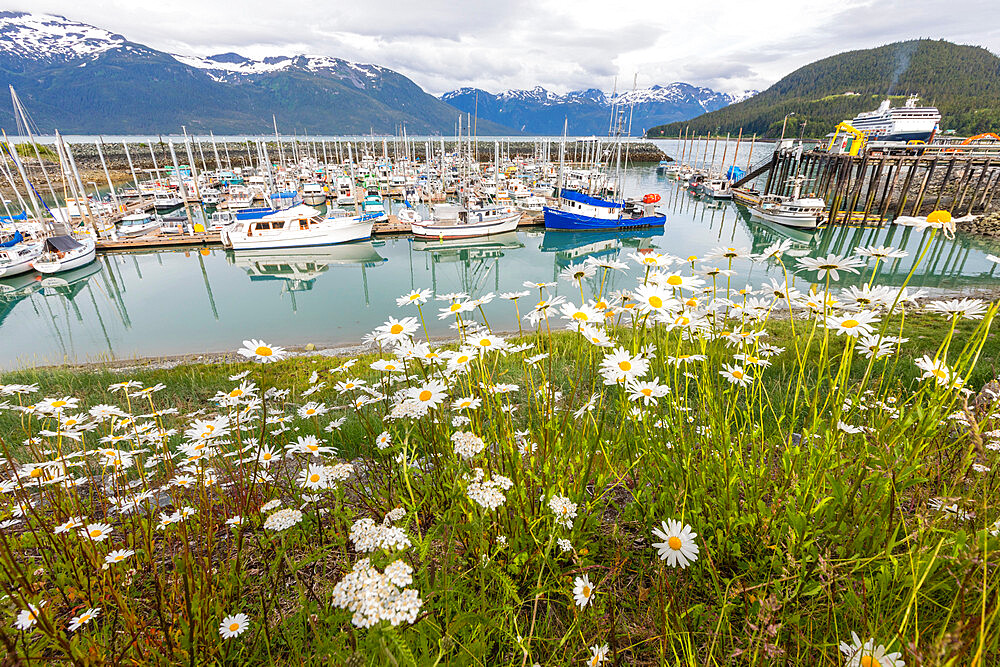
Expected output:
(499, 44)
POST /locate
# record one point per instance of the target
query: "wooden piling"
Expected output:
(944, 183)
(923, 186)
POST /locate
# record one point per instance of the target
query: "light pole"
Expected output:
(783, 122)
(97, 192)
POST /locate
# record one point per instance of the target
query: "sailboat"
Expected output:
(16, 254)
(65, 253)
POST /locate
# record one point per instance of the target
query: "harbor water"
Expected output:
(206, 299)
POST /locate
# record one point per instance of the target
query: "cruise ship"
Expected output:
(906, 123)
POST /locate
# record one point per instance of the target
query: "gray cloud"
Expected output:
(442, 45)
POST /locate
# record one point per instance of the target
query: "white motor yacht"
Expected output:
(295, 227)
(138, 224)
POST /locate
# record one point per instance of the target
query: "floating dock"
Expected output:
(389, 227)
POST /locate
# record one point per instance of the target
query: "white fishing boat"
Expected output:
(533, 204)
(296, 227)
(138, 224)
(65, 253)
(717, 188)
(16, 258)
(795, 211)
(313, 194)
(345, 190)
(239, 197)
(452, 222)
(164, 200)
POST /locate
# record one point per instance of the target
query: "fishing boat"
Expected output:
(717, 188)
(17, 254)
(795, 211)
(295, 227)
(65, 253)
(532, 204)
(663, 166)
(581, 212)
(313, 194)
(164, 200)
(454, 222)
(374, 205)
(345, 190)
(138, 224)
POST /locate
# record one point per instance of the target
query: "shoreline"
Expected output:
(357, 348)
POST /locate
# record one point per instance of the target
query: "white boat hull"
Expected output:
(20, 264)
(72, 260)
(797, 221)
(456, 230)
(333, 234)
(135, 231)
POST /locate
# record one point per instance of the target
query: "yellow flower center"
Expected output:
(485, 342)
(95, 533)
(646, 391)
(455, 306)
(674, 280)
(236, 392)
(691, 303)
(396, 328)
(267, 457)
(869, 661)
(313, 448)
(682, 320)
(849, 324)
(314, 478)
(580, 315)
(425, 395)
(462, 359)
(390, 367)
(674, 543)
(37, 472)
(738, 375)
(586, 591)
(655, 301)
(937, 372)
(263, 351)
(625, 365)
(233, 627)
(414, 297)
(58, 404)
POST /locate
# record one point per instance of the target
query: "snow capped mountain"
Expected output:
(46, 37)
(81, 78)
(228, 66)
(542, 111)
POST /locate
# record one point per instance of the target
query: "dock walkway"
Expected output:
(389, 227)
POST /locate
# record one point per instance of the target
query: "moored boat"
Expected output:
(65, 253)
(296, 227)
(138, 224)
(581, 212)
(458, 223)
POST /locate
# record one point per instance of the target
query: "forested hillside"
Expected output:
(962, 81)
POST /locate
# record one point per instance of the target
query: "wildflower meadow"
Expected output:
(687, 471)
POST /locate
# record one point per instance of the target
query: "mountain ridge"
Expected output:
(962, 81)
(84, 79)
(540, 111)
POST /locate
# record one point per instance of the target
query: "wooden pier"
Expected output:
(389, 227)
(875, 186)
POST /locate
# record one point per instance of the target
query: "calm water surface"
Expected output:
(206, 299)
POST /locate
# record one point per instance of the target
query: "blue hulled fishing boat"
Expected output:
(582, 212)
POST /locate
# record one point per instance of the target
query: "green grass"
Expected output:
(806, 532)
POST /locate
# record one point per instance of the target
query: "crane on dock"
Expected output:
(849, 146)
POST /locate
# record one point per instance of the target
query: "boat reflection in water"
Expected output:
(766, 233)
(298, 268)
(476, 258)
(574, 247)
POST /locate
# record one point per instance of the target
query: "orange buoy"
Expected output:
(651, 198)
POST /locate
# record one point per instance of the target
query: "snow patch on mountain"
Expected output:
(53, 38)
